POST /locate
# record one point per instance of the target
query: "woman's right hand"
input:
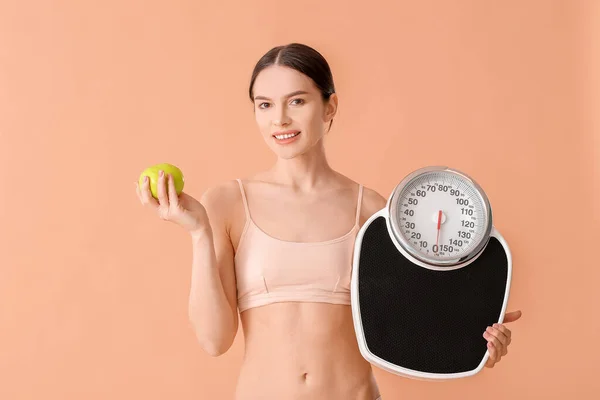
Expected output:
(183, 210)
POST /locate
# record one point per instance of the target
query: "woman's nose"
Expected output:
(281, 118)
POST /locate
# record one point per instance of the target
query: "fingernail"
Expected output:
(496, 325)
(161, 173)
(145, 178)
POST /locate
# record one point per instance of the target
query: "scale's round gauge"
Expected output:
(440, 216)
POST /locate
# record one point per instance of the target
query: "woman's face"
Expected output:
(289, 110)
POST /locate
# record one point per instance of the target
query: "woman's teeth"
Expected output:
(286, 136)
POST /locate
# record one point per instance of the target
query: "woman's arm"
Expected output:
(213, 296)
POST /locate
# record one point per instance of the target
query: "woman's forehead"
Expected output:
(277, 81)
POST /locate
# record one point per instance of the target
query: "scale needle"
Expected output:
(439, 224)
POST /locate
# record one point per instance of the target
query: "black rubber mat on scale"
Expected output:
(422, 319)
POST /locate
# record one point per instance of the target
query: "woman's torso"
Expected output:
(301, 350)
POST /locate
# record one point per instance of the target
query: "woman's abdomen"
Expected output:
(303, 350)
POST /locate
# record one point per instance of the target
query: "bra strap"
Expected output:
(244, 199)
(359, 203)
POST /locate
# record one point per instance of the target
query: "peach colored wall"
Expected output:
(93, 290)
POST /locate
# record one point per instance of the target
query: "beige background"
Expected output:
(93, 290)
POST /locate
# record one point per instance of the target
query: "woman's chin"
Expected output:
(289, 154)
(289, 151)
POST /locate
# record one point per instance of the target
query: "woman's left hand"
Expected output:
(498, 337)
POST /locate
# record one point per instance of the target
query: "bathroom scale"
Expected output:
(430, 274)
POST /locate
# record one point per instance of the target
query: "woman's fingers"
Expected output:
(505, 331)
(492, 359)
(161, 190)
(497, 334)
(145, 194)
(172, 192)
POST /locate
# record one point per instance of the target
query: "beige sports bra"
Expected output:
(270, 270)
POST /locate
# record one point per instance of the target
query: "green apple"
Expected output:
(152, 174)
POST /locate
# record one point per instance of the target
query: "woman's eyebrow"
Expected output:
(296, 93)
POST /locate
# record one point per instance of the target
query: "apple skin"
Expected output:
(152, 173)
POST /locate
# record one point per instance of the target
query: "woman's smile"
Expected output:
(286, 137)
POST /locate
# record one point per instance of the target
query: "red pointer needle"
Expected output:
(438, 229)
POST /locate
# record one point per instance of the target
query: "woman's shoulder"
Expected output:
(221, 199)
(371, 201)
(222, 192)
(371, 198)
(224, 205)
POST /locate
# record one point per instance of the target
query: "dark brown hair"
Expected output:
(303, 59)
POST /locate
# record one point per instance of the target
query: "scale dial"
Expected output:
(440, 216)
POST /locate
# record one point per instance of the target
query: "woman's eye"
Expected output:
(263, 105)
(298, 101)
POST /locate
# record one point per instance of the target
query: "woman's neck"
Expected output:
(305, 172)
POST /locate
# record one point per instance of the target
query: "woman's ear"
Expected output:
(331, 107)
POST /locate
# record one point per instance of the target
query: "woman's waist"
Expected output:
(323, 377)
(294, 339)
(290, 327)
(294, 353)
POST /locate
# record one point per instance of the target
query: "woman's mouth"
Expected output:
(286, 137)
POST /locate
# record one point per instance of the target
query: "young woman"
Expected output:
(277, 247)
